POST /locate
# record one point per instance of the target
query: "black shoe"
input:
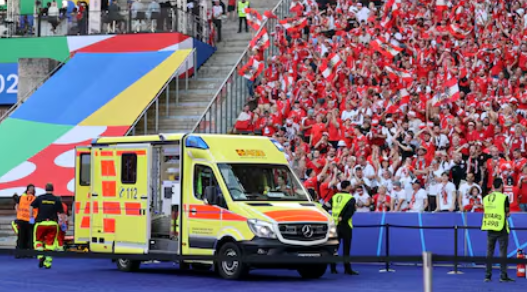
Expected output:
(239, 31)
(41, 263)
(334, 272)
(47, 268)
(506, 279)
(487, 279)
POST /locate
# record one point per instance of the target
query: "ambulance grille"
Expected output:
(303, 231)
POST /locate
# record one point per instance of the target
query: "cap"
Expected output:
(397, 184)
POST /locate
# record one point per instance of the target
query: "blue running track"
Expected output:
(74, 275)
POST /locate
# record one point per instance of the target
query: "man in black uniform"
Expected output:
(342, 209)
(46, 224)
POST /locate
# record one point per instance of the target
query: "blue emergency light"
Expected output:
(196, 142)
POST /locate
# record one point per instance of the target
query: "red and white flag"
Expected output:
(458, 32)
(268, 14)
(397, 102)
(297, 8)
(327, 68)
(450, 95)
(399, 75)
(294, 24)
(385, 49)
(287, 81)
(261, 40)
(252, 69)
(254, 19)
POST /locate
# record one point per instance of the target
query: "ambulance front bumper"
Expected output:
(275, 248)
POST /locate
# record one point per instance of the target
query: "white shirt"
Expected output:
(464, 192)
(363, 198)
(396, 197)
(447, 190)
(217, 11)
(346, 115)
(416, 204)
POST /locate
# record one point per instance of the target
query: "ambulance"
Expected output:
(199, 195)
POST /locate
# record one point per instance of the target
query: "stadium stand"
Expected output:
(412, 101)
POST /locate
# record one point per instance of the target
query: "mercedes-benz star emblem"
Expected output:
(307, 231)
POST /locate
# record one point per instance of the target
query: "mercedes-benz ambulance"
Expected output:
(190, 194)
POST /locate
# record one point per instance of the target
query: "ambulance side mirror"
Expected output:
(210, 195)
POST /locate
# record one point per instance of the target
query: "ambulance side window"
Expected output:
(129, 168)
(203, 177)
(85, 170)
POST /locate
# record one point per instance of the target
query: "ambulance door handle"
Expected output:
(193, 211)
(94, 194)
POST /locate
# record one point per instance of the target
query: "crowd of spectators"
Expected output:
(420, 104)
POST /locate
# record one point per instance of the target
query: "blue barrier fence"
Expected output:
(413, 233)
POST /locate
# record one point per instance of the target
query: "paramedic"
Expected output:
(46, 224)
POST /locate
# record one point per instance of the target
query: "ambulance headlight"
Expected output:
(332, 230)
(261, 228)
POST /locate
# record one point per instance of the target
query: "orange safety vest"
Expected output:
(23, 208)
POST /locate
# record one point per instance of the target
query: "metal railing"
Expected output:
(171, 19)
(149, 120)
(224, 108)
(20, 101)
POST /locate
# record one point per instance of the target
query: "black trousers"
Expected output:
(503, 239)
(25, 235)
(217, 23)
(345, 234)
(240, 21)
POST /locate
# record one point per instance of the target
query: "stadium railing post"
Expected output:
(456, 263)
(387, 251)
(427, 271)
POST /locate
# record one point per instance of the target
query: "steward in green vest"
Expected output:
(242, 15)
(342, 209)
(496, 210)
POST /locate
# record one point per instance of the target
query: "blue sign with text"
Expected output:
(8, 83)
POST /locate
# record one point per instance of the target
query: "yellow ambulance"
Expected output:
(190, 194)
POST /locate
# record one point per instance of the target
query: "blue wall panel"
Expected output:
(370, 241)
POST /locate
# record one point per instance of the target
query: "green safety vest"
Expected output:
(339, 201)
(241, 8)
(494, 217)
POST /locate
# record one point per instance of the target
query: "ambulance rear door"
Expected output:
(81, 206)
(122, 193)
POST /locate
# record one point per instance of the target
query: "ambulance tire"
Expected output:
(128, 265)
(233, 270)
(313, 271)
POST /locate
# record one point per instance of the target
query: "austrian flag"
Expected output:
(327, 66)
(457, 32)
(385, 49)
(395, 74)
(261, 40)
(399, 100)
(293, 25)
(254, 19)
(252, 69)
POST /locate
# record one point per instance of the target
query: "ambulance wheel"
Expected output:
(313, 271)
(128, 265)
(231, 270)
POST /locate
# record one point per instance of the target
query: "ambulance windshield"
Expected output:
(262, 182)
